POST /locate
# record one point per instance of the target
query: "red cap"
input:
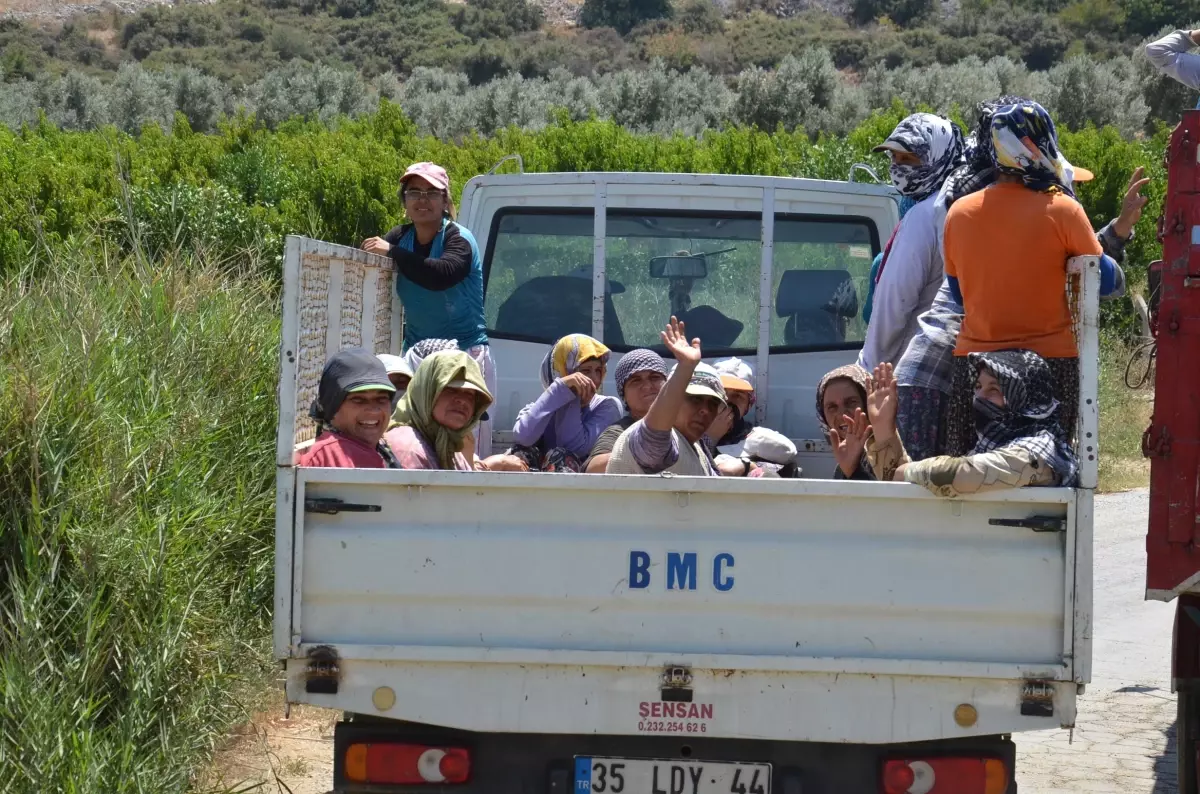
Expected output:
(432, 173)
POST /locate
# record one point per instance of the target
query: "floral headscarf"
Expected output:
(937, 141)
(567, 354)
(1028, 418)
(979, 170)
(1025, 144)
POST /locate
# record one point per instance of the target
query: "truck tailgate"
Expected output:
(499, 574)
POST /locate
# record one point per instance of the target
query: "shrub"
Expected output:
(1083, 92)
(622, 15)
(486, 19)
(138, 98)
(900, 11)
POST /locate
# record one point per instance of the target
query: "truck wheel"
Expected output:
(1187, 733)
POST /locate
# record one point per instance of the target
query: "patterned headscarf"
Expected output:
(640, 360)
(567, 354)
(436, 372)
(851, 372)
(1028, 418)
(1025, 144)
(427, 347)
(979, 171)
(937, 141)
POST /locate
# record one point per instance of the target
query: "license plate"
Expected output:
(649, 776)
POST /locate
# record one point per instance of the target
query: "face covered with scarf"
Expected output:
(925, 150)
(1025, 145)
(1027, 417)
(444, 402)
(569, 356)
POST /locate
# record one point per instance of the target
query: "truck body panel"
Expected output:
(806, 610)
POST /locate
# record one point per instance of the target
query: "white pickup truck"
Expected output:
(555, 634)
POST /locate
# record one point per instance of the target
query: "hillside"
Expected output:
(241, 40)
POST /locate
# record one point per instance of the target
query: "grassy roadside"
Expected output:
(1124, 415)
(136, 501)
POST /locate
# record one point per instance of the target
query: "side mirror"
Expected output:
(678, 267)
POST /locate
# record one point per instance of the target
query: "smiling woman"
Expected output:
(351, 411)
(437, 417)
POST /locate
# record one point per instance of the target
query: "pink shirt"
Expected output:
(336, 451)
(414, 452)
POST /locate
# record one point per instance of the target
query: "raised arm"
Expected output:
(652, 440)
(662, 413)
(1171, 57)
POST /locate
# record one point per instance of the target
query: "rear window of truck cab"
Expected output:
(705, 267)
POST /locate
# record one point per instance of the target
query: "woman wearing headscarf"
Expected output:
(439, 272)
(1019, 441)
(640, 375)
(435, 418)
(557, 431)
(1006, 250)
(924, 150)
(841, 409)
(354, 400)
(925, 371)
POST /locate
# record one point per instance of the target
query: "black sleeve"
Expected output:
(439, 274)
(396, 233)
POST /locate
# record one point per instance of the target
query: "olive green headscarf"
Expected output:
(416, 406)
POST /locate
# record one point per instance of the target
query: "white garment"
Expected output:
(1171, 57)
(910, 280)
(693, 462)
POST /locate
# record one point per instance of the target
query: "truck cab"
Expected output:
(493, 632)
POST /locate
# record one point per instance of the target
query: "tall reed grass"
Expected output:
(137, 405)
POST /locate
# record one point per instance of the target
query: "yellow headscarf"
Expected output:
(434, 374)
(567, 354)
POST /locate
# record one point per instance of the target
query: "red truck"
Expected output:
(1172, 442)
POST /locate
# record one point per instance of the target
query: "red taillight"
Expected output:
(399, 764)
(945, 776)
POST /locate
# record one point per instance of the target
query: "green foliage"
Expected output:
(1147, 16)
(497, 19)
(900, 11)
(622, 15)
(136, 496)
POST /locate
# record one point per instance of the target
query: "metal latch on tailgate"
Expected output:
(676, 684)
(1037, 699)
(1036, 523)
(332, 507)
(323, 672)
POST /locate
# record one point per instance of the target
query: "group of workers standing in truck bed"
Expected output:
(968, 379)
